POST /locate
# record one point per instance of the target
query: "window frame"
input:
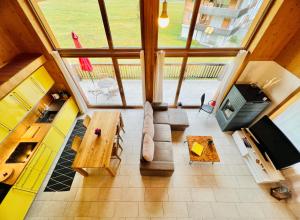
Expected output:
(134, 52)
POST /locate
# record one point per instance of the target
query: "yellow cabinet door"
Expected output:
(3, 132)
(34, 174)
(29, 93)
(54, 139)
(66, 116)
(42, 78)
(12, 111)
(16, 204)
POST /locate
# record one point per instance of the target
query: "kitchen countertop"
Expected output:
(30, 133)
(10, 146)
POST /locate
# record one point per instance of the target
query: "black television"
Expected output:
(273, 142)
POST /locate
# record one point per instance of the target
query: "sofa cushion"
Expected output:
(162, 133)
(148, 126)
(148, 148)
(163, 151)
(161, 117)
(178, 119)
(148, 109)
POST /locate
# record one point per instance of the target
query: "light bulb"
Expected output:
(163, 22)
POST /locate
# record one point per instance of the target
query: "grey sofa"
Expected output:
(164, 121)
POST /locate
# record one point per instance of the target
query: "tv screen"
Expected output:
(274, 142)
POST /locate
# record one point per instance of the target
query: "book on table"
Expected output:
(197, 148)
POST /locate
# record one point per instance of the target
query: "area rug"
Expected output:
(63, 175)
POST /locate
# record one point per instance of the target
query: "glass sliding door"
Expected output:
(131, 75)
(171, 75)
(98, 86)
(202, 75)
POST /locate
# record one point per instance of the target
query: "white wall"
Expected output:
(260, 71)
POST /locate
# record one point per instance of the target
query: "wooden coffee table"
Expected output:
(209, 153)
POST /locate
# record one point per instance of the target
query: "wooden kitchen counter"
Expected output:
(10, 145)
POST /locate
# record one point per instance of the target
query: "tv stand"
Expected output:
(262, 170)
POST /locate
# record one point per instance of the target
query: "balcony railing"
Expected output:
(224, 12)
(171, 71)
(218, 30)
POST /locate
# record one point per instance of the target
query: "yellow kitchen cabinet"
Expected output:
(3, 132)
(16, 204)
(37, 168)
(54, 139)
(66, 116)
(42, 78)
(28, 93)
(12, 111)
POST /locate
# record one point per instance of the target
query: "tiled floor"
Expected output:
(225, 190)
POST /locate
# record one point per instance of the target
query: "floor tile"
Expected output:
(200, 191)
(126, 209)
(175, 209)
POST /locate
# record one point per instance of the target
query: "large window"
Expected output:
(131, 75)
(124, 21)
(171, 75)
(224, 23)
(99, 84)
(198, 42)
(171, 36)
(202, 75)
(79, 16)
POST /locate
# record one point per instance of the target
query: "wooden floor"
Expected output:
(225, 190)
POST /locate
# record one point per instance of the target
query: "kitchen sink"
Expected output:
(47, 117)
(22, 152)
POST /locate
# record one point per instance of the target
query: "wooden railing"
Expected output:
(171, 71)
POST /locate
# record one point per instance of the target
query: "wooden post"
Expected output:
(149, 31)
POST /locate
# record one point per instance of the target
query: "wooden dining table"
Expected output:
(95, 151)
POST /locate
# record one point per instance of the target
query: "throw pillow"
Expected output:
(148, 126)
(148, 109)
(148, 148)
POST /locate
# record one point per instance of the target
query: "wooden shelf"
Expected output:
(13, 73)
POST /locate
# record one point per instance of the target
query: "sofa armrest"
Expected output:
(159, 106)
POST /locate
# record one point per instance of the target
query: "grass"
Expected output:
(83, 17)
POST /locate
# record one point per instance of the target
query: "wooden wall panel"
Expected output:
(289, 57)
(272, 39)
(15, 28)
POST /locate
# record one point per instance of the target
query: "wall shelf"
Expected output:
(18, 69)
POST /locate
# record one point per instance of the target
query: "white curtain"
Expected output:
(159, 77)
(142, 58)
(227, 76)
(67, 70)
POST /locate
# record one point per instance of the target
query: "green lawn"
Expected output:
(83, 17)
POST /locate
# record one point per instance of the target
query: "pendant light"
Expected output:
(163, 20)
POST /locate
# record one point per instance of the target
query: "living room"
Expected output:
(141, 109)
